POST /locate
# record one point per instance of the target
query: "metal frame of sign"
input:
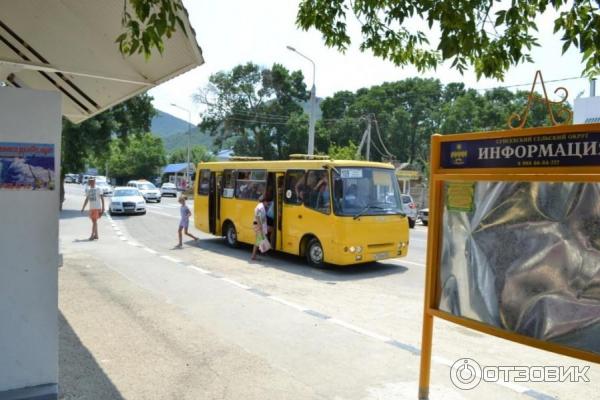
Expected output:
(552, 154)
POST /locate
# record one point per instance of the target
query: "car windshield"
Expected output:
(126, 192)
(365, 191)
(147, 186)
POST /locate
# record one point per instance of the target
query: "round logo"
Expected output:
(288, 194)
(465, 373)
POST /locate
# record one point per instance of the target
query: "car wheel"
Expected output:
(314, 253)
(411, 223)
(111, 213)
(424, 223)
(230, 234)
(158, 201)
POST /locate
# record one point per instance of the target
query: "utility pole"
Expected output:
(313, 106)
(366, 138)
(187, 166)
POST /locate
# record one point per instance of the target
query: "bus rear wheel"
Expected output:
(314, 253)
(230, 234)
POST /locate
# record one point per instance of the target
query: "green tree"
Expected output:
(146, 23)
(137, 157)
(252, 106)
(198, 154)
(92, 137)
(344, 152)
(490, 36)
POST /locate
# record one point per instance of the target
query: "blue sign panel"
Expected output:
(560, 150)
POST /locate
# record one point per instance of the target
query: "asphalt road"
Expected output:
(272, 329)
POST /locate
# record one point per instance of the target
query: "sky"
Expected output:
(232, 32)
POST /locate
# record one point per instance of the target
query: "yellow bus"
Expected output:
(334, 212)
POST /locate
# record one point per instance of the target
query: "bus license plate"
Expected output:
(381, 256)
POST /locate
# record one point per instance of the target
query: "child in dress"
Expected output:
(184, 222)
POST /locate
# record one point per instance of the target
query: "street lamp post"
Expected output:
(313, 106)
(187, 166)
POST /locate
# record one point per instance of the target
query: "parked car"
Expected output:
(424, 216)
(410, 209)
(148, 190)
(107, 190)
(127, 200)
(70, 178)
(168, 189)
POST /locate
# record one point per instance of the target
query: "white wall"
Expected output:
(29, 249)
(586, 107)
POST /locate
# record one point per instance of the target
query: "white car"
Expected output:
(168, 189)
(148, 190)
(127, 200)
(424, 216)
(106, 188)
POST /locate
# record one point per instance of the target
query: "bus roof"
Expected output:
(290, 164)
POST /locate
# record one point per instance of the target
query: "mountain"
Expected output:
(174, 131)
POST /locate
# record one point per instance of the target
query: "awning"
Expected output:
(177, 168)
(69, 46)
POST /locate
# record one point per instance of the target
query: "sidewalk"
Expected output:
(118, 342)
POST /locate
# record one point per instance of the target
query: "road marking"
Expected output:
(317, 314)
(288, 303)
(402, 346)
(411, 349)
(202, 270)
(442, 360)
(357, 329)
(240, 285)
(411, 262)
(258, 292)
(169, 258)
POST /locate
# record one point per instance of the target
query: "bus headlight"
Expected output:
(352, 249)
(358, 249)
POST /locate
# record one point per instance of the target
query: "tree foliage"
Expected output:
(258, 109)
(92, 137)
(244, 110)
(198, 154)
(137, 157)
(147, 23)
(488, 35)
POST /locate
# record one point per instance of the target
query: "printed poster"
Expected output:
(27, 166)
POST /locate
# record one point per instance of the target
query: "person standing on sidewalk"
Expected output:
(184, 222)
(94, 197)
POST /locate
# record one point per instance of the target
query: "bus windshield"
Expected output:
(365, 191)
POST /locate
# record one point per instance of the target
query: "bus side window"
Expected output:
(317, 193)
(250, 184)
(228, 184)
(204, 186)
(294, 186)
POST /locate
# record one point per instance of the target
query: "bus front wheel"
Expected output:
(230, 234)
(314, 253)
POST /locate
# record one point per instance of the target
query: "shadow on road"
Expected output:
(297, 265)
(71, 213)
(80, 376)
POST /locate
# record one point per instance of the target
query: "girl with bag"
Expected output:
(261, 228)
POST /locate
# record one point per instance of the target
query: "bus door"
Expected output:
(278, 199)
(202, 205)
(292, 211)
(214, 203)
